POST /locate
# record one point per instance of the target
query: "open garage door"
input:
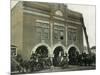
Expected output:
(42, 51)
(58, 54)
(73, 56)
(39, 59)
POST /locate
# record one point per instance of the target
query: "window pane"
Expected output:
(46, 35)
(56, 34)
(38, 29)
(13, 51)
(74, 36)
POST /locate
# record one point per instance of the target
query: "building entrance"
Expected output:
(42, 51)
(39, 59)
(58, 55)
(73, 56)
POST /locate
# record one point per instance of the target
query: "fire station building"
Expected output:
(45, 29)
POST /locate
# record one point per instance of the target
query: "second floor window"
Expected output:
(42, 31)
(72, 36)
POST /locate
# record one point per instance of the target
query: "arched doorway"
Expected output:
(42, 51)
(40, 54)
(58, 54)
(73, 56)
(39, 59)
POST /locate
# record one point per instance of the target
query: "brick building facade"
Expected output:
(45, 27)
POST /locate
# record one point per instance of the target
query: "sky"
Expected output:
(88, 12)
(89, 15)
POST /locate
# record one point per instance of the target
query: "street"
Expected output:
(59, 69)
(70, 68)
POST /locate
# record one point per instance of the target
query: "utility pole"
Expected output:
(86, 36)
